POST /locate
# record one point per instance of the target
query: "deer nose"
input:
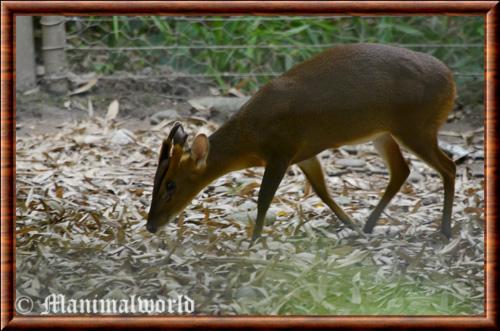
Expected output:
(151, 227)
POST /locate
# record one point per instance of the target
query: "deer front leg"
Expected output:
(275, 170)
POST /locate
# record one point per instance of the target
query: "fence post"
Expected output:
(54, 59)
(25, 54)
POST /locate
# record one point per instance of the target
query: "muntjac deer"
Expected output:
(349, 94)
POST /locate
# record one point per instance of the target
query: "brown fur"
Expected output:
(345, 95)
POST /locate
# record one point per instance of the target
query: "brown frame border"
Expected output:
(489, 9)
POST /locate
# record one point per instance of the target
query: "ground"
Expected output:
(84, 188)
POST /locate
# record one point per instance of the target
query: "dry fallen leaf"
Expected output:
(84, 88)
(113, 109)
(83, 203)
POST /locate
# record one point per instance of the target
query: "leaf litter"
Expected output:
(83, 194)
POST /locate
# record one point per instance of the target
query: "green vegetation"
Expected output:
(247, 51)
(355, 290)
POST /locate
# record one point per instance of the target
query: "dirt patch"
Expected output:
(41, 112)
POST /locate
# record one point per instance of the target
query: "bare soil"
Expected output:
(41, 112)
(38, 111)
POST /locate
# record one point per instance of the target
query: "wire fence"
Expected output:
(246, 51)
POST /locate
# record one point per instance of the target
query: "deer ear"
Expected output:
(199, 150)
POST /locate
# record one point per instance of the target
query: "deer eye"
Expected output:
(170, 186)
(169, 191)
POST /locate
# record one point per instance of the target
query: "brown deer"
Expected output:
(349, 94)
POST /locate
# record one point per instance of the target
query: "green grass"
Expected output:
(271, 44)
(354, 291)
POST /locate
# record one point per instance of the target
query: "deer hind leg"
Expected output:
(425, 146)
(314, 174)
(387, 147)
